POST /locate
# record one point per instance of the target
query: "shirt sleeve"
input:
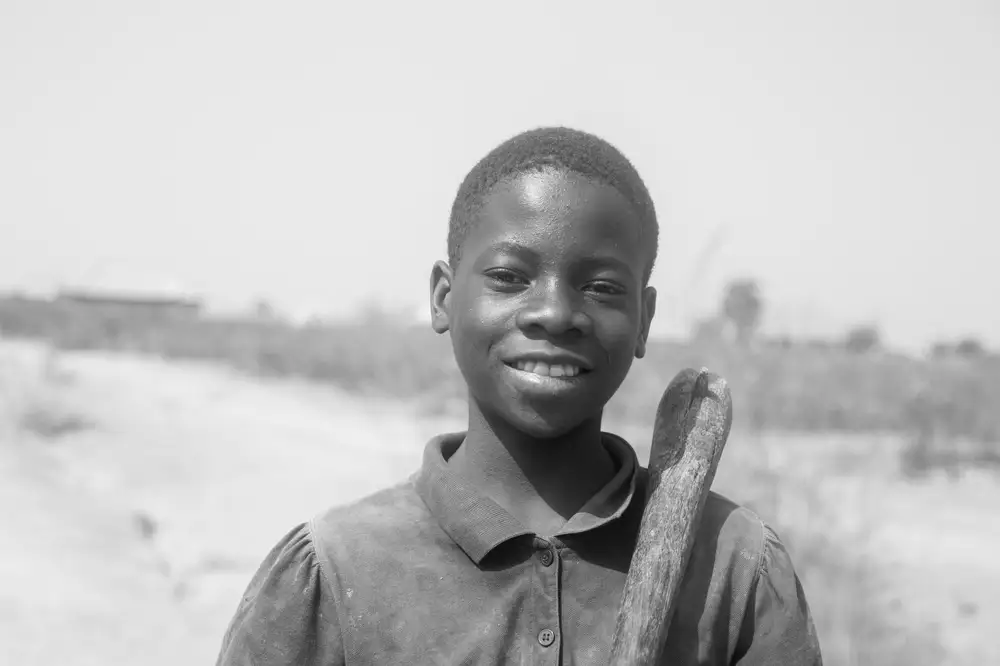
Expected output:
(778, 626)
(287, 615)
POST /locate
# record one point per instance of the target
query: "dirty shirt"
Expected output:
(430, 571)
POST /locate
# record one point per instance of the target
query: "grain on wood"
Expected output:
(690, 432)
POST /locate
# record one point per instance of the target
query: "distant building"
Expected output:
(131, 305)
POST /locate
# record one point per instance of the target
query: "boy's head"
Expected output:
(551, 243)
(559, 149)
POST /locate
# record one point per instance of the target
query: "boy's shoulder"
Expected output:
(732, 547)
(729, 533)
(735, 528)
(384, 513)
(387, 525)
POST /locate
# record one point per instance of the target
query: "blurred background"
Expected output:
(217, 224)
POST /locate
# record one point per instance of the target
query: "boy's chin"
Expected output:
(546, 426)
(537, 419)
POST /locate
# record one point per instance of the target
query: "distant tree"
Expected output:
(862, 339)
(970, 348)
(264, 311)
(742, 305)
(941, 350)
(965, 348)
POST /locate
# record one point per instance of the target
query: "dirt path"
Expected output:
(132, 541)
(940, 539)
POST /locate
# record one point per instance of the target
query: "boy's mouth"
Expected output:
(543, 369)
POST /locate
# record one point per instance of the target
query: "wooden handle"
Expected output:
(692, 425)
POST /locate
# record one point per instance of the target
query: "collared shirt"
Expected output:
(431, 571)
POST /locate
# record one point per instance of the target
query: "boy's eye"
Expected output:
(503, 277)
(606, 288)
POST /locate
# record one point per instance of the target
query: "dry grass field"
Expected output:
(139, 495)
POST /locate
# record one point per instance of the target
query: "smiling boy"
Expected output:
(512, 542)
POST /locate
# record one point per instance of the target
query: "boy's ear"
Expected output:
(441, 280)
(648, 306)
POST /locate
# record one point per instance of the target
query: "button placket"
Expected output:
(546, 601)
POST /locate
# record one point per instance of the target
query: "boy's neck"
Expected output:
(541, 482)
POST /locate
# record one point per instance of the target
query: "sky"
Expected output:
(846, 155)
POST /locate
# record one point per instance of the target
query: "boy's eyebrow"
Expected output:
(511, 247)
(591, 262)
(602, 261)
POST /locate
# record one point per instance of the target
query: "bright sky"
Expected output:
(846, 154)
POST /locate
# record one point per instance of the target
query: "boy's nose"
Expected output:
(555, 311)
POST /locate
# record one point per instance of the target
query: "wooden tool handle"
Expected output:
(692, 425)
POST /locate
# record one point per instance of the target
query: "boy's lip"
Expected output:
(543, 386)
(550, 358)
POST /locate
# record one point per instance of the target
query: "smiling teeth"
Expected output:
(546, 370)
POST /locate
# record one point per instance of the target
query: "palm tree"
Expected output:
(742, 306)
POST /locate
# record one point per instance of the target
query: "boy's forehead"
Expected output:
(540, 189)
(559, 203)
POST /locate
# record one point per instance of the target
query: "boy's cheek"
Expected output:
(478, 310)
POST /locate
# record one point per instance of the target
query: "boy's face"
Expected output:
(547, 308)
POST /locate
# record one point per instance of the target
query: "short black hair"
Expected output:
(560, 148)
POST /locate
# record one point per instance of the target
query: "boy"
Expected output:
(511, 544)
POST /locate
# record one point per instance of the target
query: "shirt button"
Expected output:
(546, 557)
(546, 637)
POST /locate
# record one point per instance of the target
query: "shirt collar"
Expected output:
(478, 524)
